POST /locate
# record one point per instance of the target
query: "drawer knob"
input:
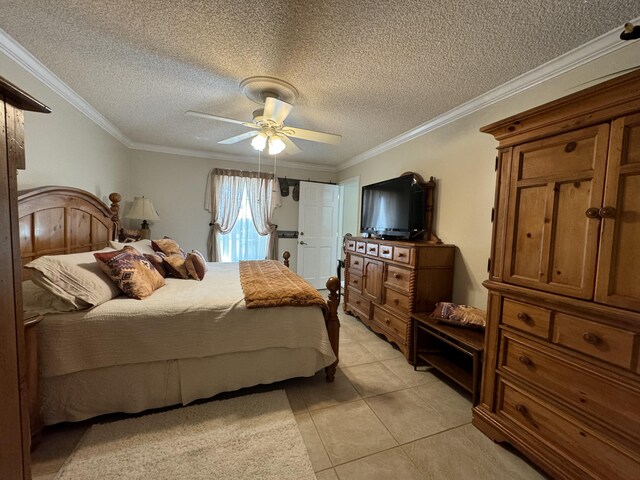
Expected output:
(523, 316)
(525, 360)
(386, 252)
(396, 275)
(400, 255)
(590, 338)
(357, 302)
(372, 249)
(356, 262)
(355, 282)
(521, 409)
(387, 320)
(396, 301)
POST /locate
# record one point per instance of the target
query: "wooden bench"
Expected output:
(457, 352)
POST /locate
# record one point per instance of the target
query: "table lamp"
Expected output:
(143, 209)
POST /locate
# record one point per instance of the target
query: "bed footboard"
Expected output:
(331, 318)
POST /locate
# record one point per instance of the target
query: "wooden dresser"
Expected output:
(561, 379)
(387, 281)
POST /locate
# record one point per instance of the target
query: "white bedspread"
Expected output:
(183, 319)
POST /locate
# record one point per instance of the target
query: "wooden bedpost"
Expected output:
(286, 255)
(115, 210)
(333, 324)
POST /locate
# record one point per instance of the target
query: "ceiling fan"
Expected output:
(269, 128)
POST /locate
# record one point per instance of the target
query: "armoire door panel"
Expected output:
(372, 279)
(618, 280)
(551, 243)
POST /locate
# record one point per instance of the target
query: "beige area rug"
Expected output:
(249, 437)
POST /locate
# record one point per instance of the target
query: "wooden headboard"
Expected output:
(58, 220)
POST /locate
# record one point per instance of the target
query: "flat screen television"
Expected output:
(394, 209)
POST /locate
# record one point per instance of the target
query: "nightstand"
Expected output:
(455, 351)
(33, 395)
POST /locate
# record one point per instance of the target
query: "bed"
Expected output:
(189, 340)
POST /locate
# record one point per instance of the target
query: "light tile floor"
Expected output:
(379, 419)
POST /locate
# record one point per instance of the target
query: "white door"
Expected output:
(318, 232)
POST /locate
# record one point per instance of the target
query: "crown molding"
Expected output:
(26, 60)
(149, 147)
(596, 48)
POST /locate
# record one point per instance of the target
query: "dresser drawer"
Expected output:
(358, 304)
(396, 325)
(361, 247)
(351, 245)
(613, 345)
(598, 396)
(355, 282)
(398, 277)
(525, 317)
(397, 301)
(355, 264)
(401, 254)
(598, 457)
(372, 249)
(385, 251)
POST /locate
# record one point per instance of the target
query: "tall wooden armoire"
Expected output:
(14, 411)
(561, 379)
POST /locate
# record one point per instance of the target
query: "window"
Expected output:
(243, 241)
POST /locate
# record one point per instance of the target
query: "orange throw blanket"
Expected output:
(268, 283)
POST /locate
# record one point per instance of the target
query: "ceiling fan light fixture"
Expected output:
(259, 141)
(276, 145)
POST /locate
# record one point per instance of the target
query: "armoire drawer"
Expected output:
(525, 317)
(576, 384)
(598, 456)
(396, 325)
(397, 301)
(398, 277)
(611, 344)
(359, 304)
(361, 247)
(372, 249)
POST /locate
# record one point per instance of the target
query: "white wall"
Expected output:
(462, 160)
(65, 147)
(176, 184)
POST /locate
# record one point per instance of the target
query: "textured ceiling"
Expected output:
(368, 70)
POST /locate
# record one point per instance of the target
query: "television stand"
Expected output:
(389, 280)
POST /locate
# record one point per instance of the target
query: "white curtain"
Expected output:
(263, 196)
(223, 198)
(224, 195)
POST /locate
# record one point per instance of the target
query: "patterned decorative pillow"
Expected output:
(168, 246)
(460, 315)
(195, 266)
(176, 266)
(130, 271)
(157, 261)
(204, 259)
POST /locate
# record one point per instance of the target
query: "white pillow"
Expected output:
(75, 278)
(143, 246)
(38, 300)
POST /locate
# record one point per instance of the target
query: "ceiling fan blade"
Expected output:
(209, 116)
(276, 110)
(312, 135)
(238, 138)
(290, 147)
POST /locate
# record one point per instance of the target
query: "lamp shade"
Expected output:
(142, 209)
(276, 145)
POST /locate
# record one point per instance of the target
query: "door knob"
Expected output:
(607, 212)
(302, 243)
(301, 233)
